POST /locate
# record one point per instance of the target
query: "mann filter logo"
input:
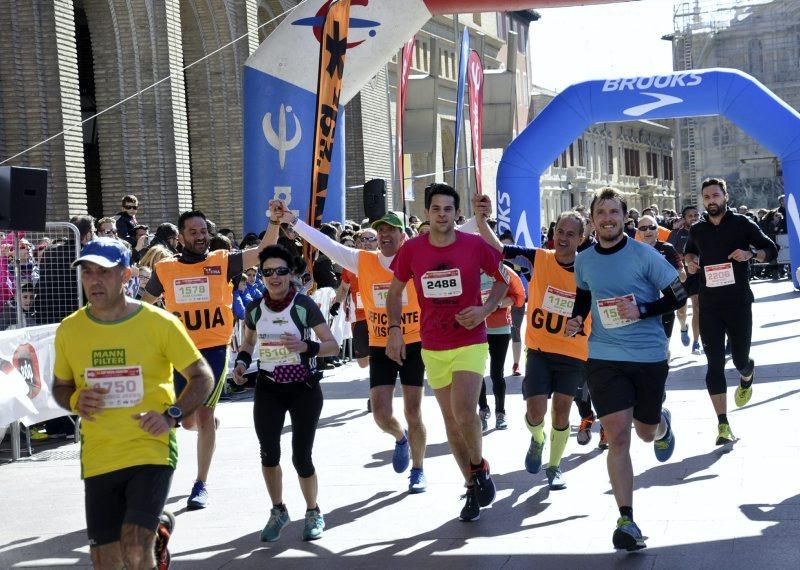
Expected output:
(661, 100)
(212, 270)
(109, 357)
(279, 140)
(655, 81)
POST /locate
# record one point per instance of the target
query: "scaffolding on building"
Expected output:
(761, 38)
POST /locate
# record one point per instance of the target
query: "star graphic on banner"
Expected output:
(337, 47)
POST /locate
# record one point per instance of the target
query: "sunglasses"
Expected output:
(108, 233)
(282, 271)
(369, 239)
(131, 207)
(647, 228)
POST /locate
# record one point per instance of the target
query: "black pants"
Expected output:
(584, 402)
(270, 404)
(498, 348)
(717, 320)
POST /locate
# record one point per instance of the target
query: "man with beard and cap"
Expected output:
(197, 287)
(372, 269)
(720, 246)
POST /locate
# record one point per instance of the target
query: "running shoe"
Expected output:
(472, 510)
(484, 486)
(166, 524)
(585, 430)
(743, 395)
(402, 455)
(555, 480)
(315, 524)
(696, 348)
(685, 336)
(515, 370)
(416, 481)
(277, 520)
(533, 459)
(485, 414)
(38, 434)
(198, 498)
(627, 535)
(500, 421)
(725, 435)
(603, 444)
(664, 447)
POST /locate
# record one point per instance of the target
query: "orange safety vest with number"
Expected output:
(546, 327)
(373, 281)
(200, 295)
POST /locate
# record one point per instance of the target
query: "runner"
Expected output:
(498, 333)
(678, 238)
(445, 266)
(372, 269)
(128, 444)
(196, 287)
(555, 364)
(620, 281)
(721, 245)
(280, 326)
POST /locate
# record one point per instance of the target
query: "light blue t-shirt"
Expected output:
(635, 268)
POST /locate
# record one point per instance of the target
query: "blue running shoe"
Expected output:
(416, 481)
(402, 455)
(315, 524)
(198, 498)
(685, 336)
(278, 518)
(666, 445)
(627, 535)
(533, 459)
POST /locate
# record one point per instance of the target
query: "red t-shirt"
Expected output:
(448, 279)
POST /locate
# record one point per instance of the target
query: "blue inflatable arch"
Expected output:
(727, 92)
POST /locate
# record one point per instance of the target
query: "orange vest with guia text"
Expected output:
(373, 282)
(200, 295)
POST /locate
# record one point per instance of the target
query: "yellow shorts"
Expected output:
(441, 364)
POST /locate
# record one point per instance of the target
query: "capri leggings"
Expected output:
(304, 404)
(498, 348)
(517, 317)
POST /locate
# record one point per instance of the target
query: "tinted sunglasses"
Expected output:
(131, 207)
(282, 271)
(647, 228)
(368, 239)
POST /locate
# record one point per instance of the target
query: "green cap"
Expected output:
(391, 219)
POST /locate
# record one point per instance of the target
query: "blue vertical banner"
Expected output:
(463, 58)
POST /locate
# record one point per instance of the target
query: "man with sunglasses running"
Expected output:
(197, 287)
(372, 269)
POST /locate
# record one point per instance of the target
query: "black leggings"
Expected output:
(668, 320)
(717, 320)
(270, 404)
(498, 348)
(584, 402)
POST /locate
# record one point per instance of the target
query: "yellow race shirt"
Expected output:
(134, 357)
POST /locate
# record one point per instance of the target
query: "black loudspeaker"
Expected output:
(375, 199)
(23, 198)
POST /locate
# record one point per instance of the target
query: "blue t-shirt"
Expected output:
(635, 268)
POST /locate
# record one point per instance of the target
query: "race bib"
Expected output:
(609, 316)
(191, 290)
(441, 284)
(272, 352)
(558, 301)
(719, 275)
(125, 385)
(380, 291)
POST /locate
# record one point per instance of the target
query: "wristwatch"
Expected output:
(642, 310)
(175, 413)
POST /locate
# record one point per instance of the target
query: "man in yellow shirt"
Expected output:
(113, 367)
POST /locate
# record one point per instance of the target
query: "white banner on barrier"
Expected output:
(26, 375)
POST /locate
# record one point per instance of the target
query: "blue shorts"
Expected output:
(217, 358)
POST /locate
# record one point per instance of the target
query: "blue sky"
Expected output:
(571, 45)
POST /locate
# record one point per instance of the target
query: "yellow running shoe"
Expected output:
(742, 396)
(725, 435)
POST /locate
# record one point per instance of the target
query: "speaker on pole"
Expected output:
(375, 199)
(23, 198)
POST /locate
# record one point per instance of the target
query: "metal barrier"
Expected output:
(38, 285)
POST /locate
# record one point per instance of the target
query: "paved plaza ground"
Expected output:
(707, 507)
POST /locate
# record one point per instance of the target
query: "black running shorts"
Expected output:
(616, 386)
(360, 339)
(134, 495)
(547, 372)
(383, 370)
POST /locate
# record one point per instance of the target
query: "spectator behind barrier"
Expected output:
(126, 219)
